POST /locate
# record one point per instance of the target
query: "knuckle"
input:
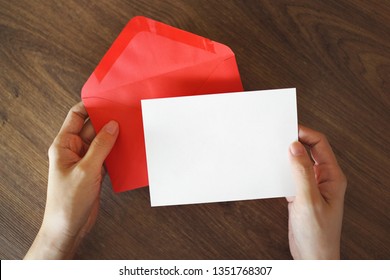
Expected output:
(82, 170)
(100, 142)
(340, 177)
(343, 180)
(86, 172)
(53, 150)
(304, 170)
(322, 136)
(50, 151)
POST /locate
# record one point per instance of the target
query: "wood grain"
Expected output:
(336, 53)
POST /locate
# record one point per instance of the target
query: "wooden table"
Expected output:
(336, 53)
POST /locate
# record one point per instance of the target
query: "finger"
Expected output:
(290, 198)
(87, 133)
(326, 173)
(303, 172)
(101, 145)
(74, 121)
(319, 146)
(327, 168)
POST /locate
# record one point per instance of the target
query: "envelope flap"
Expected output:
(139, 24)
(189, 80)
(147, 48)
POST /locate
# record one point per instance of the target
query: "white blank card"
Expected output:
(220, 147)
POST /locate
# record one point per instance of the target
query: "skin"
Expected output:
(76, 171)
(316, 212)
(75, 174)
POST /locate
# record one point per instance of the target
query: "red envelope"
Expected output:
(150, 59)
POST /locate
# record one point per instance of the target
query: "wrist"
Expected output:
(52, 244)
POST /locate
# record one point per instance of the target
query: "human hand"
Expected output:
(316, 212)
(76, 171)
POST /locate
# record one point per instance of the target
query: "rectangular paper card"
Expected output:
(220, 147)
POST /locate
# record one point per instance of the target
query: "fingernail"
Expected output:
(111, 127)
(297, 149)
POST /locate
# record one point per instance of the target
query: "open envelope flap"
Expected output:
(141, 24)
(213, 76)
(151, 60)
(150, 52)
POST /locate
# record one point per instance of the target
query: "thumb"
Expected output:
(303, 173)
(102, 144)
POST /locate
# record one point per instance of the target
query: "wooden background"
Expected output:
(336, 53)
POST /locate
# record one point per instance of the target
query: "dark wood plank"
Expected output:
(337, 54)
